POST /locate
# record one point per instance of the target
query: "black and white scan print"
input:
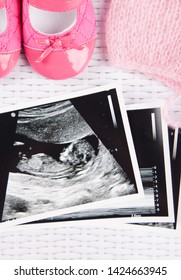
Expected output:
(148, 139)
(175, 155)
(64, 154)
(178, 221)
(174, 136)
(152, 145)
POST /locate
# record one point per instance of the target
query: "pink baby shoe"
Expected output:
(10, 35)
(59, 36)
(145, 36)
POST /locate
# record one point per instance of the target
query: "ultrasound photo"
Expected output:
(175, 155)
(151, 141)
(66, 154)
(178, 224)
(152, 145)
(174, 147)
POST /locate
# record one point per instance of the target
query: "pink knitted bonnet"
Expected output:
(145, 35)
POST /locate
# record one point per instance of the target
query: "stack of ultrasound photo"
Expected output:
(89, 157)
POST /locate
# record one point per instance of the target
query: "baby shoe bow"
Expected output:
(51, 44)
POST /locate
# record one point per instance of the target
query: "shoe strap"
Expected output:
(55, 5)
(2, 4)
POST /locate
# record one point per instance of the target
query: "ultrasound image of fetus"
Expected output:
(58, 162)
(47, 159)
(80, 152)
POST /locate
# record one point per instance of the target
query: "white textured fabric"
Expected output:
(89, 241)
(85, 241)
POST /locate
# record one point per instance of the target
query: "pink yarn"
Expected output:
(145, 35)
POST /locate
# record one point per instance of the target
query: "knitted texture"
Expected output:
(145, 35)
